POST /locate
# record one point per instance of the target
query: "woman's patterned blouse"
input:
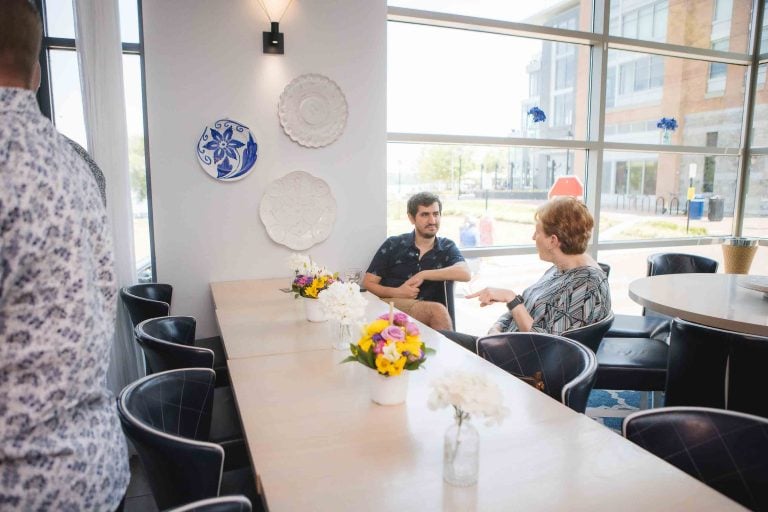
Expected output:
(561, 301)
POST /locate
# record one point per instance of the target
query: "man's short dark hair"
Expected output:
(423, 199)
(21, 32)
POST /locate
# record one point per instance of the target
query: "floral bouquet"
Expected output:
(299, 263)
(667, 123)
(344, 302)
(310, 278)
(389, 345)
(537, 114)
(470, 394)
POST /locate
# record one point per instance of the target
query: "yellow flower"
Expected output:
(387, 367)
(413, 347)
(376, 327)
(365, 343)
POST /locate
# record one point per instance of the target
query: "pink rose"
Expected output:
(400, 319)
(393, 333)
(412, 329)
(379, 347)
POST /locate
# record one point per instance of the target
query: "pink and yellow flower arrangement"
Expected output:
(389, 345)
(310, 286)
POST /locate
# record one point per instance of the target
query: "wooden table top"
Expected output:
(715, 300)
(318, 443)
(258, 319)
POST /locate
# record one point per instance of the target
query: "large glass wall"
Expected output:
(650, 125)
(62, 100)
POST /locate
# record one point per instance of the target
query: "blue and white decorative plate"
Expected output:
(227, 150)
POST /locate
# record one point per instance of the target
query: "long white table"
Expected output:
(318, 443)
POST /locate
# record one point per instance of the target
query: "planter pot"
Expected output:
(313, 310)
(388, 390)
(738, 254)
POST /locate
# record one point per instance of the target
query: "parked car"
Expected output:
(144, 270)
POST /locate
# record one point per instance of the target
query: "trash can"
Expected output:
(696, 208)
(716, 207)
(738, 254)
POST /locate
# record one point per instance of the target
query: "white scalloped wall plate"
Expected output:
(298, 210)
(312, 110)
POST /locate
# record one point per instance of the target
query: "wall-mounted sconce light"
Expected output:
(273, 40)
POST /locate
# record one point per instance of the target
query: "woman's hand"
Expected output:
(490, 295)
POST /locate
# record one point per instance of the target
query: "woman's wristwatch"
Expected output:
(515, 302)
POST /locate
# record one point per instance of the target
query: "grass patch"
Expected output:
(660, 229)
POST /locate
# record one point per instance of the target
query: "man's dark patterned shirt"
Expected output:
(397, 260)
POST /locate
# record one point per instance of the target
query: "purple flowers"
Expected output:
(667, 123)
(393, 333)
(399, 319)
(538, 114)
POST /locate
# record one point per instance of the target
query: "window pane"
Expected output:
(544, 12)
(59, 18)
(67, 96)
(756, 206)
(495, 190)
(652, 87)
(760, 118)
(682, 23)
(137, 162)
(472, 83)
(129, 21)
(650, 200)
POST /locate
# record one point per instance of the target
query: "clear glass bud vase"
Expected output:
(461, 452)
(344, 337)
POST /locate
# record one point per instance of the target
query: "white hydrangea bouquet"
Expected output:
(344, 303)
(470, 394)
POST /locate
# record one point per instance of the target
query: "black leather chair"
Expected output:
(222, 504)
(180, 330)
(728, 451)
(701, 358)
(591, 335)
(166, 342)
(448, 301)
(651, 324)
(567, 367)
(634, 351)
(152, 300)
(146, 301)
(167, 417)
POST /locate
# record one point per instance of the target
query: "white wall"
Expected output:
(204, 62)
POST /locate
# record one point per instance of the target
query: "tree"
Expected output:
(137, 167)
(445, 164)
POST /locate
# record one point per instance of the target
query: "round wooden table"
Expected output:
(715, 300)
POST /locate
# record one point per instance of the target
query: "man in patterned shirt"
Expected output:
(61, 446)
(409, 269)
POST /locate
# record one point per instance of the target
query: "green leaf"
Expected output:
(429, 350)
(348, 359)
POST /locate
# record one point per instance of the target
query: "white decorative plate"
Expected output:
(312, 110)
(298, 210)
(226, 150)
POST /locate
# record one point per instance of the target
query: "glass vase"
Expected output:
(344, 337)
(461, 452)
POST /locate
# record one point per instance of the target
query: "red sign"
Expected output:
(567, 186)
